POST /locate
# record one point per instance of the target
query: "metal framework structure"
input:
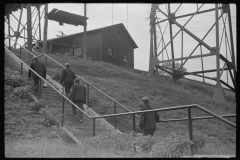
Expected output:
(35, 15)
(222, 12)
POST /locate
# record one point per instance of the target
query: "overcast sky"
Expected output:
(135, 18)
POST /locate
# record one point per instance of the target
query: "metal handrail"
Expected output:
(115, 102)
(89, 84)
(217, 116)
(145, 111)
(173, 108)
(82, 80)
(48, 83)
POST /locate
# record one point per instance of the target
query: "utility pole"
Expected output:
(29, 31)
(45, 33)
(84, 33)
(172, 48)
(39, 22)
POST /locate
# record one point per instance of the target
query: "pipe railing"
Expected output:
(189, 119)
(88, 84)
(42, 79)
(81, 79)
(91, 85)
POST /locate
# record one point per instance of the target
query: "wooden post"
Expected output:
(151, 41)
(172, 48)
(18, 27)
(39, 22)
(84, 33)
(50, 50)
(45, 33)
(29, 31)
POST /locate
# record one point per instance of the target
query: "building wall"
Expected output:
(93, 43)
(97, 46)
(61, 45)
(116, 38)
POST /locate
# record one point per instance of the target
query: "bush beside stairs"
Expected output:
(54, 100)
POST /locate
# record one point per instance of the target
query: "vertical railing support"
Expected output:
(40, 86)
(134, 123)
(115, 117)
(88, 95)
(93, 126)
(63, 101)
(190, 129)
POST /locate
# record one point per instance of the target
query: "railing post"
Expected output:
(134, 123)
(93, 126)
(87, 94)
(190, 129)
(63, 101)
(115, 117)
(40, 86)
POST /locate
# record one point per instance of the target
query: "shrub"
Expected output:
(52, 116)
(23, 92)
(8, 89)
(13, 78)
(173, 146)
(144, 143)
(39, 106)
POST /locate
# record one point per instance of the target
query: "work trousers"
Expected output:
(74, 110)
(36, 84)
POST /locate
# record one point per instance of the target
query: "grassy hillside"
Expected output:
(128, 88)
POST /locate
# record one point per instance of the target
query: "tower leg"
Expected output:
(218, 93)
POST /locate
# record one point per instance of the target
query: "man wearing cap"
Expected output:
(40, 69)
(67, 78)
(78, 96)
(147, 121)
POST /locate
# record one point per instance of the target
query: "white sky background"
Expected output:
(135, 18)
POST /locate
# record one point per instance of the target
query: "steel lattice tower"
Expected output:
(209, 47)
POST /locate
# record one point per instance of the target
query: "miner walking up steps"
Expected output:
(78, 96)
(40, 69)
(67, 78)
(147, 121)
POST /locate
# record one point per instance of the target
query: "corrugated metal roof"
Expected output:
(9, 8)
(66, 17)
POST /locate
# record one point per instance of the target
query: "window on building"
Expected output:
(111, 51)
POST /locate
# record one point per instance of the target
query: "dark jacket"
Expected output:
(37, 67)
(148, 120)
(78, 93)
(67, 76)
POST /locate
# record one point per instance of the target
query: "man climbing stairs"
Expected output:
(55, 100)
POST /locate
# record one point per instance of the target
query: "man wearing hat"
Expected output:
(40, 69)
(67, 78)
(147, 121)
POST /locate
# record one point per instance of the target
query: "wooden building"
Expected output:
(110, 44)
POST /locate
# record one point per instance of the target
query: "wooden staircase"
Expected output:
(54, 100)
